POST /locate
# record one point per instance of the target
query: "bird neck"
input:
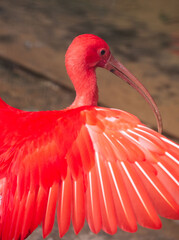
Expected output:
(84, 81)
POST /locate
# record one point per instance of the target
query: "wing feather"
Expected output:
(109, 220)
(28, 213)
(49, 217)
(162, 200)
(94, 217)
(165, 165)
(40, 207)
(78, 204)
(104, 166)
(64, 205)
(123, 206)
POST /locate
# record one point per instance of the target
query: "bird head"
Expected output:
(86, 52)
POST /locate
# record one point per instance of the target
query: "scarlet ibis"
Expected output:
(85, 162)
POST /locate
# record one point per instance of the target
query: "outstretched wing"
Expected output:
(94, 163)
(130, 174)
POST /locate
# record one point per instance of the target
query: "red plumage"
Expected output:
(93, 163)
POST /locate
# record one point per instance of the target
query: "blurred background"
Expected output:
(143, 35)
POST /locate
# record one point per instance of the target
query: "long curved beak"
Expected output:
(119, 70)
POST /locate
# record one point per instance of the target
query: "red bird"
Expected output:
(89, 162)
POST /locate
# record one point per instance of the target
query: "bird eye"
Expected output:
(103, 52)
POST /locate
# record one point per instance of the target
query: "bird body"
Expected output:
(85, 162)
